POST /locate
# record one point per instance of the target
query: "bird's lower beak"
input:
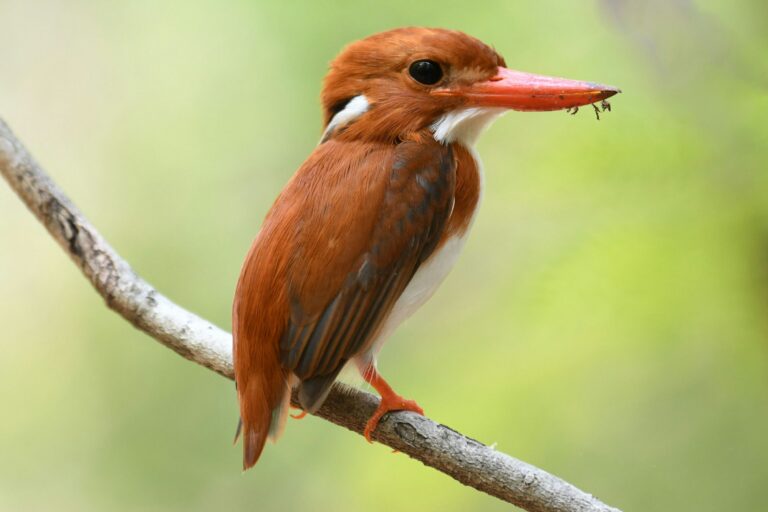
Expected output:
(524, 91)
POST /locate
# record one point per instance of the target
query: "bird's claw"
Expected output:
(386, 406)
(299, 415)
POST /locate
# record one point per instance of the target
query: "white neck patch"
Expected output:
(356, 107)
(464, 125)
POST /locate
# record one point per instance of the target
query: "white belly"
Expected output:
(424, 283)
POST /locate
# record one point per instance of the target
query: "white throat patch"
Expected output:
(464, 125)
(356, 107)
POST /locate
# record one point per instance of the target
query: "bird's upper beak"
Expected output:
(525, 91)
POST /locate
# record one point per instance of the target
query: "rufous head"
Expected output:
(394, 83)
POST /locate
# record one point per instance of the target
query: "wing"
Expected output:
(358, 248)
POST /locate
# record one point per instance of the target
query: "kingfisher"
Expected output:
(372, 222)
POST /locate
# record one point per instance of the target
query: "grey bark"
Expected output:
(464, 459)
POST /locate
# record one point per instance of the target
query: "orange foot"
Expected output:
(390, 401)
(299, 415)
(393, 402)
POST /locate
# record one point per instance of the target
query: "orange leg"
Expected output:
(390, 401)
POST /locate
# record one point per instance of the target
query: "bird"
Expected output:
(371, 223)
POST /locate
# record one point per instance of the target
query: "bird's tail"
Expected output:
(263, 387)
(264, 394)
(263, 412)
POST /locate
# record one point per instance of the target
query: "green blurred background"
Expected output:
(608, 320)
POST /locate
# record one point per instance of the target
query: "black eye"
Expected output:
(427, 72)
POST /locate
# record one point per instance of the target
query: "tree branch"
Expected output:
(466, 460)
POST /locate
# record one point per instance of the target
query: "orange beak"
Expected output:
(524, 91)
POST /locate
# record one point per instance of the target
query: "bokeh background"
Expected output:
(608, 320)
